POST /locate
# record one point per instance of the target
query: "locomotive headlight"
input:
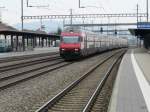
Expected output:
(62, 49)
(76, 49)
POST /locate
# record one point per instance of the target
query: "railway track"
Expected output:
(78, 96)
(99, 101)
(13, 74)
(7, 81)
(27, 62)
(19, 69)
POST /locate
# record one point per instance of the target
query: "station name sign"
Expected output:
(143, 25)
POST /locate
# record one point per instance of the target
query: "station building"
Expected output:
(24, 40)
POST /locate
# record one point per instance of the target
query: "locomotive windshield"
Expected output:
(70, 39)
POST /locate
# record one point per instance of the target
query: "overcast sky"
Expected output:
(11, 13)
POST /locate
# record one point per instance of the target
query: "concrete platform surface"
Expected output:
(129, 94)
(143, 59)
(35, 51)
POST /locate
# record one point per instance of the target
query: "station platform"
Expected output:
(131, 91)
(35, 51)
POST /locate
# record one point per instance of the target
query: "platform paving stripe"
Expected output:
(144, 85)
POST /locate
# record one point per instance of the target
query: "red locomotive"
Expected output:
(76, 43)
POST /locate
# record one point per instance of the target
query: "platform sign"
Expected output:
(143, 25)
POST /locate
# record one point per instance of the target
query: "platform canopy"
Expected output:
(143, 34)
(26, 38)
(6, 28)
(9, 30)
(140, 32)
(143, 29)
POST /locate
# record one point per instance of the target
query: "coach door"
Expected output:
(85, 42)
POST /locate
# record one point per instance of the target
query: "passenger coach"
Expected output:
(76, 43)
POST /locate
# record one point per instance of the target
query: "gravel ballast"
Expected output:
(30, 95)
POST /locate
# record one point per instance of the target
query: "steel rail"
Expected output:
(55, 99)
(28, 63)
(29, 71)
(32, 76)
(100, 86)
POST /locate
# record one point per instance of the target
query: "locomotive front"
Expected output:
(70, 45)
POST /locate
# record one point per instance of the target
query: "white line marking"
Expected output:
(144, 85)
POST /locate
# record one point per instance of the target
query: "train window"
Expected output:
(70, 39)
(81, 39)
(61, 38)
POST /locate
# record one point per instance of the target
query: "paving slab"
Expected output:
(35, 51)
(143, 59)
(127, 95)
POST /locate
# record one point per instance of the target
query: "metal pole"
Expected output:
(41, 24)
(63, 23)
(137, 14)
(22, 15)
(92, 26)
(27, 3)
(83, 22)
(79, 3)
(0, 16)
(147, 10)
(108, 25)
(71, 17)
